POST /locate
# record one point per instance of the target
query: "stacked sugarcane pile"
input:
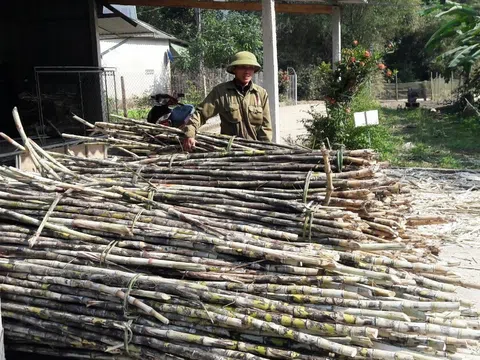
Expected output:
(235, 254)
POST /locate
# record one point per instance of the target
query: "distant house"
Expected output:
(137, 51)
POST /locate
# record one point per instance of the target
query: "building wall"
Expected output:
(143, 63)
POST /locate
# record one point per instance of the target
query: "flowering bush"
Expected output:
(352, 72)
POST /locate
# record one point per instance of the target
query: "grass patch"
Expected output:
(138, 113)
(429, 139)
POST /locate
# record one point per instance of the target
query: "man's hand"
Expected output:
(188, 144)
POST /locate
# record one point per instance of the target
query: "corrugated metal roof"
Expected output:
(128, 10)
(116, 27)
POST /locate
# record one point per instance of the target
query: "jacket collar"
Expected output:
(232, 85)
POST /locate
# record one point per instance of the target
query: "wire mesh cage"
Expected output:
(89, 92)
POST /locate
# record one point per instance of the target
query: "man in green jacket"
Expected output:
(242, 106)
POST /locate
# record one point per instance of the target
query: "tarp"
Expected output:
(177, 50)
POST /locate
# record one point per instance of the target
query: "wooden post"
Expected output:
(432, 86)
(124, 97)
(451, 86)
(205, 85)
(396, 87)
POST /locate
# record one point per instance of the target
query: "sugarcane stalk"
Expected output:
(46, 335)
(329, 175)
(108, 290)
(13, 142)
(66, 232)
(74, 354)
(34, 238)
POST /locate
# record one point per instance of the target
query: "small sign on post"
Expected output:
(366, 118)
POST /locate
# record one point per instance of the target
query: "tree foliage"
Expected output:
(305, 41)
(223, 33)
(179, 22)
(461, 27)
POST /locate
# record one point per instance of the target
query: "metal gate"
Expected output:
(292, 86)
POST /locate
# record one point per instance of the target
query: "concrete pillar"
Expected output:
(336, 35)
(92, 85)
(95, 39)
(270, 64)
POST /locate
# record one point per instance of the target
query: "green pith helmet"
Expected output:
(243, 58)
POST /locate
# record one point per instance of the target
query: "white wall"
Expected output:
(143, 63)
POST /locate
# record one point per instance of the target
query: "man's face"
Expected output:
(244, 73)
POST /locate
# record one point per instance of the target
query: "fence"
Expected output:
(443, 90)
(399, 91)
(436, 89)
(61, 91)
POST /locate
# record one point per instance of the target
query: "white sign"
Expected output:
(366, 118)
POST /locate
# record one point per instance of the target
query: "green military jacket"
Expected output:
(246, 116)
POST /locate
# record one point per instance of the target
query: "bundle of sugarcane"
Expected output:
(138, 138)
(110, 267)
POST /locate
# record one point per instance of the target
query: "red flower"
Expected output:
(330, 100)
(362, 63)
(389, 73)
(382, 66)
(367, 54)
(355, 42)
(352, 59)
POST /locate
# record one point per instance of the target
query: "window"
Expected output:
(149, 71)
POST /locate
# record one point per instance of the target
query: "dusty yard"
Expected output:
(455, 195)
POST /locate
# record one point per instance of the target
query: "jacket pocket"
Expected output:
(255, 115)
(230, 124)
(233, 113)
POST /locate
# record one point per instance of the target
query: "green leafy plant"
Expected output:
(461, 26)
(460, 30)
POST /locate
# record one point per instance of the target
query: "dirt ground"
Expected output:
(394, 104)
(456, 196)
